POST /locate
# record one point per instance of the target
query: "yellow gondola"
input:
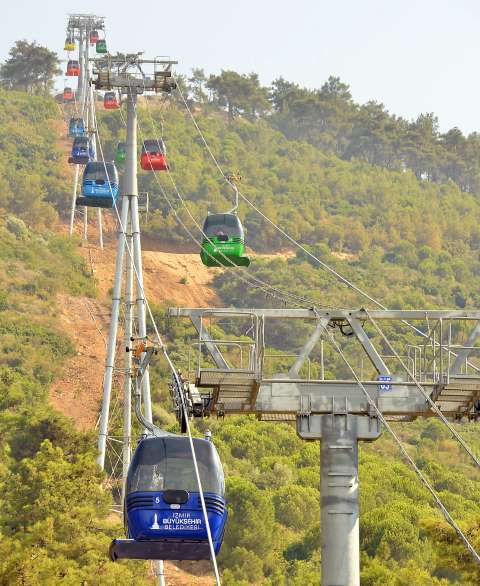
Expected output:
(69, 44)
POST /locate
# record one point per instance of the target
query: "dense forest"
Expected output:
(409, 237)
(329, 119)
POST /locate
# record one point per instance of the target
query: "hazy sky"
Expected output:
(412, 55)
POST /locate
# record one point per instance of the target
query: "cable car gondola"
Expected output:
(94, 36)
(99, 185)
(69, 44)
(101, 46)
(121, 153)
(68, 94)
(153, 157)
(73, 68)
(76, 127)
(82, 151)
(163, 512)
(225, 240)
(110, 101)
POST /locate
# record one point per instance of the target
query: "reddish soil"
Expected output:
(179, 279)
(78, 391)
(188, 574)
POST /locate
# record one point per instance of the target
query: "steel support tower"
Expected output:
(127, 75)
(79, 27)
(439, 373)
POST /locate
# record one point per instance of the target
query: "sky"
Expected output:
(412, 55)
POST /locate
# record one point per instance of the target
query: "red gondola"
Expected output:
(94, 36)
(67, 94)
(153, 157)
(73, 68)
(110, 101)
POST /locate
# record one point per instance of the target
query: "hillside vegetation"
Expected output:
(53, 511)
(412, 241)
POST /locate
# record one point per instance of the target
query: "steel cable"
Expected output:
(427, 397)
(269, 289)
(403, 450)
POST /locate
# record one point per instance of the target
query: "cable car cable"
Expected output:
(231, 265)
(278, 228)
(403, 450)
(284, 294)
(430, 401)
(266, 287)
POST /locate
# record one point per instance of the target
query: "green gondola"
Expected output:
(121, 153)
(101, 46)
(225, 245)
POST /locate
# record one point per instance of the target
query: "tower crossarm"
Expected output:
(131, 73)
(403, 384)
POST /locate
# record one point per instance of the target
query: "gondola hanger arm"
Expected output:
(232, 179)
(142, 352)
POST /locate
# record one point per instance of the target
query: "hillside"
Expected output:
(78, 391)
(51, 489)
(392, 228)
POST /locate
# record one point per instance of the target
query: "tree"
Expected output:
(183, 87)
(282, 92)
(239, 94)
(52, 506)
(421, 151)
(297, 507)
(454, 165)
(30, 67)
(251, 518)
(375, 136)
(198, 81)
(324, 117)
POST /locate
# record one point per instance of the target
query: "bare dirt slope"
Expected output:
(188, 574)
(77, 393)
(168, 276)
(176, 278)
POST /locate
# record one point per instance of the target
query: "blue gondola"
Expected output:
(82, 151)
(76, 127)
(163, 512)
(99, 185)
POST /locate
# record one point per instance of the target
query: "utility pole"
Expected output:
(127, 383)
(127, 75)
(130, 84)
(339, 434)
